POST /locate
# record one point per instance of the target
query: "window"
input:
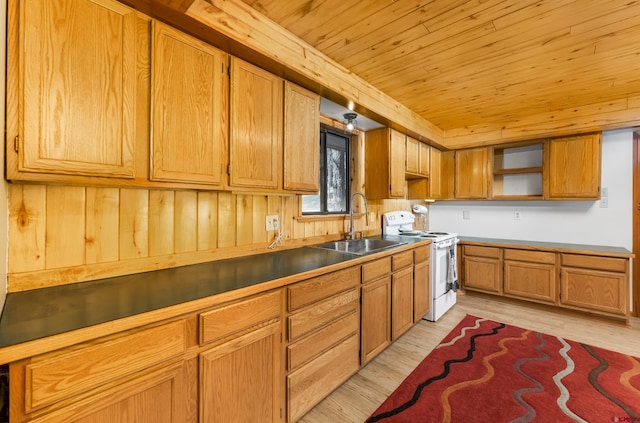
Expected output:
(334, 175)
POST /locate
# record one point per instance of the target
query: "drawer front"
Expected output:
(401, 260)
(474, 250)
(611, 264)
(530, 256)
(60, 375)
(421, 254)
(308, 385)
(325, 286)
(312, 318)
(233, 318)
(376, 269)
(302, 351)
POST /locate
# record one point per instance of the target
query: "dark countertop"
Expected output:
(579, 248)
(39, 313)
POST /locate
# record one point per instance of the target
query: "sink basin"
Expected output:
(359, 246)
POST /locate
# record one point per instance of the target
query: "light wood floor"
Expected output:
(357, 398)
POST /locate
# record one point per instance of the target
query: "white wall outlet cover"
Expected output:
(466, 214)
(272, 222)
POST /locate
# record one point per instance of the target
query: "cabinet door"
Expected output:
(574, 167)
(240, 379)
(255, 139)
(301, 139)
(376, 318)
(77, 57)
(471, 173)
(424, 159)
(594, 290)
(189, 108)
(421, 299)
(435, 163)
(483, 274)
(413, 155)
(533, 281)
(401, 302)
(396, 161)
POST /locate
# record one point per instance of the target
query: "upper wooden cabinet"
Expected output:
(189, 108)
(384, 164)
(573, 167)
(417, 158)
(255, 140)
(471, 173)
(72, 74)
(301, 139)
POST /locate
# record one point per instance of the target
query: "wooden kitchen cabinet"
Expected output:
(412, 162)
(135, 376)
(255, 139)
(189, 108)
(401, 293)
(530, 275)
(385, 164)
(471, 173)
(72, 106)
(375, 325)
(240, 379)
(425, 159)
(240, 374)
(441, 174)
(421, 282)
(482, 268)
(573, 167)
(301, 139)
(596, 284)
(322, 337)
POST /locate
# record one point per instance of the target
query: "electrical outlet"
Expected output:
(517, 215)
(466, 214)
(273, 222)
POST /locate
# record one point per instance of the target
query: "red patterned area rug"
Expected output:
(484, 371)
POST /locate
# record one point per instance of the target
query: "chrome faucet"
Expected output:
(366, 209)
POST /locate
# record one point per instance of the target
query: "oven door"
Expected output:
(440, 263)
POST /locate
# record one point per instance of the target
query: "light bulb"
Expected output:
(350, 126)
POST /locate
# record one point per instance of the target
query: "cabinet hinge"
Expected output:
(229, 169)
(16, 144)
(280, 413)
(281, 337)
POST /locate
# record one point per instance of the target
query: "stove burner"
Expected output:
(438, 233)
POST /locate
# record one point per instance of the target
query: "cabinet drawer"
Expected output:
(401, 260)
(324, 286)
(530, 256)
(233, 318)
(376, 269)
(307, 348)
(421, 254)
(595, 262)
(56, 376)
(308, 385)
(474, 250)
(312, 318)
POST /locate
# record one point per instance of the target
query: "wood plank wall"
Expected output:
(67, 234)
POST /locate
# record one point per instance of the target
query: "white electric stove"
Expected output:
(444, 281)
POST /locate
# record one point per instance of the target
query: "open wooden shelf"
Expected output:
(519, 170)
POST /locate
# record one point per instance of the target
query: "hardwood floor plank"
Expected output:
(357, 398)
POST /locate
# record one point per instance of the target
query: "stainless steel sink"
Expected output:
(359, 246)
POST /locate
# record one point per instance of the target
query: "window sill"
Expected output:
(326, 217)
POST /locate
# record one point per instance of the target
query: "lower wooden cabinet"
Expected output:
(375, 330)
(530, 275)
(421, 286)
(592, 283)
(240, 379)
(483, 269)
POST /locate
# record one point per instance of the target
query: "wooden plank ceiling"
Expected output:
(465, 63)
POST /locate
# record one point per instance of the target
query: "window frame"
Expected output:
(323, 212)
